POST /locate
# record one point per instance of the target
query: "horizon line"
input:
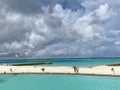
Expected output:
(60, 58)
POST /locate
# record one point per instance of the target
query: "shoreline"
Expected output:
(109, 71)
(74, 74)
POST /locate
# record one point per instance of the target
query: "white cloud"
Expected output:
(57, 31)
(117, 43)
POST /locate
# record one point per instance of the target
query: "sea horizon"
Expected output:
(60, 58)
(81, 62)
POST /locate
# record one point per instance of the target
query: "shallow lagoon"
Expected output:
(57, 82)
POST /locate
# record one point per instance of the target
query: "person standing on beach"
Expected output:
(112, 69)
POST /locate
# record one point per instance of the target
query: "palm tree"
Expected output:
(43, 69)
(76, 69)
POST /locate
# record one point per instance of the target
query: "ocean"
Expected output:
(59, 82)
(81, 62)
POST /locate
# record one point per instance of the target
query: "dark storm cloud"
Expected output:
(36, 6)
(23, 6)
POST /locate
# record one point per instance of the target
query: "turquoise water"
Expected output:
(57, 82)
(66, 62)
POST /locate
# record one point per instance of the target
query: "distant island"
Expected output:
(27, 64)
(116, 64)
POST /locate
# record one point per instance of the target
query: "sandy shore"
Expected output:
(97, 71)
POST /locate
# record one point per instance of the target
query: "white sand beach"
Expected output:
(97, 70)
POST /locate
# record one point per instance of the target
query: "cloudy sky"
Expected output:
(59, 28)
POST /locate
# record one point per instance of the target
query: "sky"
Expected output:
(59, 28)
